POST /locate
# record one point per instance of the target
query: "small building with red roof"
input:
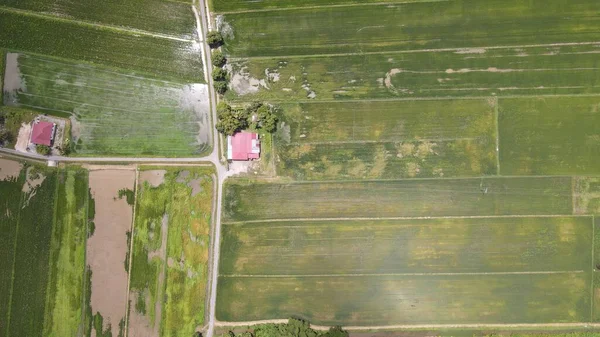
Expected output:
(243, 146)
(43, 133)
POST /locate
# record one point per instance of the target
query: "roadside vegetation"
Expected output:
(293, 328)
(255, 116)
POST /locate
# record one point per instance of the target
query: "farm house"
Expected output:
(243, 146)
(43, 133)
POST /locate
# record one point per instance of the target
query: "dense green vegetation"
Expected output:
(161, 17)
(162, 58)
(67, 260)
(115, 112)
(550, 135)
(257, 116)
(44, 231)
(172, 270)
(398, 198)
(425, 25)
(293, 328)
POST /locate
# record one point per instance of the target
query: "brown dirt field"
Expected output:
(107, 248)
(23, 137)
(154, 177)
(9, 169)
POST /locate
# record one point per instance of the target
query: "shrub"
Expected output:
(218, 59)
(219, 74)
(214, 39)
(43, 150)
(220, 87)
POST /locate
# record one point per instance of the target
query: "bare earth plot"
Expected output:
(107, 249)
(170, 252)
(114, 112)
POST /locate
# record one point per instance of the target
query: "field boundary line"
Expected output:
(130, 31)
(408, 218)
(428, 98)
(593, 267)
(130, 257)
(336, 142)
(12, 278)
(497, 117)
(407, 274)
(391, 3)
(421, 326)
(410, 51)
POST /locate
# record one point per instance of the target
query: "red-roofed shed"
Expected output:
(243, 146)
(43, 133)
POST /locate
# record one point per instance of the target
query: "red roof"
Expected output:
(42, 133)
(243, 146)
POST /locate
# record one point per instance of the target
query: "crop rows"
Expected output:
(115, 112)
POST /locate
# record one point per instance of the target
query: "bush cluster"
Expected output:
(256, 116)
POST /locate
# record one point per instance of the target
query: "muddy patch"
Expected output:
(194, 97)
(107, 248)
(23, 137)
(33, 180)
(13, 81)
(9, 169)
(194, 184)
(243, 84)
(154, 177)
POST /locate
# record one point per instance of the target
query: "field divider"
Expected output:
(593, 269)
(410, 51)
(408, 274)
(409, 218)
(497, 120)
(129, 31)
(261, 10)
(130, 263)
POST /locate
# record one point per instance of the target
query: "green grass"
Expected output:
(424, 25)
(388, 139)
(115, 113)
(550, 135)
(162, 58)
(162, 17)
(454, 73)
(385, 300)
(65, 293)
(407, 246)
(397, 198)
(188, 217)
(241, 5)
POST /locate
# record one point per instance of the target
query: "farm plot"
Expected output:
(107, 249)
(159, 57)
(43, 221)
(170, 252)
(388, 139)
(161, 17)
(115, 112)
(243, 5)
(424, 25)
(550, 135)
(339, 247)
(526, 70)
(413, 299)
(247, 201)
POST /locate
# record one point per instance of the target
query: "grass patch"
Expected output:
(115, 112)
(550, 135)
(250, 200)
(240, 5)
(162, 58)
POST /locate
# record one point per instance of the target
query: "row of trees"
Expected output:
(293, 328)
(256, 116)
(219, 75)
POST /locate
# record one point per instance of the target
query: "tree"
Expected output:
(263, 116)
(230, 120)
(43, 150)
(219, 74)
(214, 39)
(218, 59)
(336, 331)
(6, 136)
(220, 87)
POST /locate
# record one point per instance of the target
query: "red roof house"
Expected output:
(43, 133)
(243, 146)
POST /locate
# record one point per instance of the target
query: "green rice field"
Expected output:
(410, 26)
(161, 17)
(43, 244)
(221, 6)
(159, 57)
(114, 112)
(170, 251)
